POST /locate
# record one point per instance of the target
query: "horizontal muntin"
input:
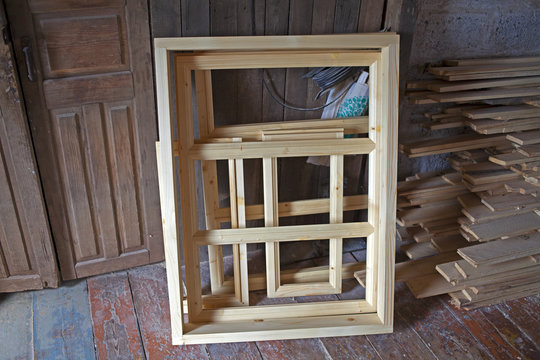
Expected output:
(282, 233)
(285, 148)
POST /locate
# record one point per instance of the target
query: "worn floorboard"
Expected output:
(525, 314)
(149, 289)
(486, 334)
(125, 315)
(116, 333)
(512, 333)
(16, 335)
(404, 342)
(61, 325)
(439, 329)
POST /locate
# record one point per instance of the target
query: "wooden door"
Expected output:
(27, 259)
(86, 74)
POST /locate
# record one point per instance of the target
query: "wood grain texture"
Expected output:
(296, 94)
(525, 138)
(276, 23)
(188, 151)
(195, 18)
(405, 341)
(520, 337)
(96, 42)
(508, 330)
(16, 325)
(242, 350)
(346, 16)
(149, 288)
(116, 332)
(286, 349)
(145, 130)
(525, 318)
(96, 144)
(371, 16)
(487, 334)
(73, 91)
(508, 226)
(62, 323)
(26, 249)
(166, 18)
(429, 315)
(322, 22)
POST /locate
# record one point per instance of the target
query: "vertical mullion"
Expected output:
(336, 217)
(271, 219)
(238, 221)
(388, 123)
(205, 114)
(374, 189)
(242, 248)
(167, 194)
(187, 187)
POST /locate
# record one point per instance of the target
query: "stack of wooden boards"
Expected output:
(471, 245)
(474, 233)
(495, 97)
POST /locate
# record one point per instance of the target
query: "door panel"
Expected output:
(27, 259)
(95, 43)
(93, 119)
(87, 89)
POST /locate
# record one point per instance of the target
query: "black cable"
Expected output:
(281, 102)
(328, 77)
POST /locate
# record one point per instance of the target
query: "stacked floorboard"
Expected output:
(478, 227)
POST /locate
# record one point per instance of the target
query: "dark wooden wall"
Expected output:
(239, 95)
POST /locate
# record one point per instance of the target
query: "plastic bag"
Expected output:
(354, 103)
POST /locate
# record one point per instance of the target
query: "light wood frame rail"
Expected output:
(224, 316)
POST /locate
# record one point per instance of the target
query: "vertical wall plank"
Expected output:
(224, 82)
(322, 22)
(346, 16)
(195, 17)
(166, 18)
(276, 23)
(250, 95)
(370, 17)
(300, 15)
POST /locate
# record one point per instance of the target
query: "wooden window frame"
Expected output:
(219, 318)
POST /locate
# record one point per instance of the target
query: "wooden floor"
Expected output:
(125, 315)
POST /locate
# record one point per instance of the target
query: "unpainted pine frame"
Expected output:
(381, 52)
(214, 150)
(271, 216)
(205, 115)
(238, 221)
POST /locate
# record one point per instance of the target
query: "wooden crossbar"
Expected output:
(285, 148)
(276, 59)
(283, 233)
